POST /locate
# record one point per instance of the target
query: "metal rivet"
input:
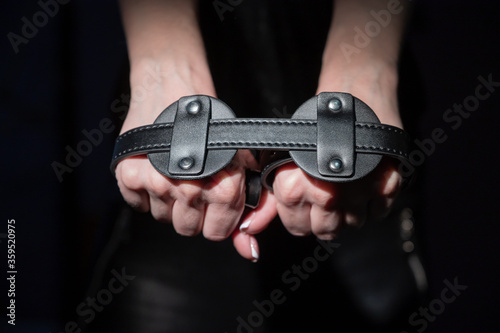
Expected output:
(336, 165)
(193, 107)
(335, 105)
(186, 163)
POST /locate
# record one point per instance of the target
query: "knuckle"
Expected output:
(322, 198)
(129, 176)
(289, 190)
(158, 185)
(227, 191)
(226, 195)
(191, 193)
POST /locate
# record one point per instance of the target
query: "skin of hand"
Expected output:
(307, 205)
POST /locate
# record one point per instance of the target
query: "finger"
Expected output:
(221, 220)
(297, 219)
(258, 219)
(290, 188)
(225, 199)
(388, 178)
(388, 189)
(131, 181)
(355, 216)
(246, 245)
(392, 184)
(188, 209)
(321, 193)
(161, 208)
(325, 224)
(245, 159)
(187, 220)
(138, 199)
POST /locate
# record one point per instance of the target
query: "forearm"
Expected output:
(166, 53)
(361, 53)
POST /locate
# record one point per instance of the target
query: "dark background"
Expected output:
(70, 74)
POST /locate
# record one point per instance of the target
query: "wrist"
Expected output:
(374, 82)
(166, 51)
(157, 83)
(173, 73)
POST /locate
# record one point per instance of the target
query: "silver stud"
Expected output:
(193, 107)
(186, 163)
(336, 164)
(334, 105)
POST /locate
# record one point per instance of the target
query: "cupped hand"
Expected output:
(212, 206)
(307, 205)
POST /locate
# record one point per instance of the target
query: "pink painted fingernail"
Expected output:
(254, 247)
(244, 226)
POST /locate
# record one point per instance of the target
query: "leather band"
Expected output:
(333, 137)
(261, 134)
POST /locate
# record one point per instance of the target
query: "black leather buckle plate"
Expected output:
(333, 137)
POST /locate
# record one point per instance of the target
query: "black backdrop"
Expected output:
(66, 77)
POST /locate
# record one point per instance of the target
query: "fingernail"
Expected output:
(244, 226)
(392, 184)
(255, 249)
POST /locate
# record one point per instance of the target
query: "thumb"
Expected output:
(254, 222)
(246, 245)
(258, 219)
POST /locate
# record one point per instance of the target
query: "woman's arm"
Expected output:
(167, 59)
(365, 65)
(167, 56)
(362, 51)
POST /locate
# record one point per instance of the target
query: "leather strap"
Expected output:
(333, 137)
(261, 134)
